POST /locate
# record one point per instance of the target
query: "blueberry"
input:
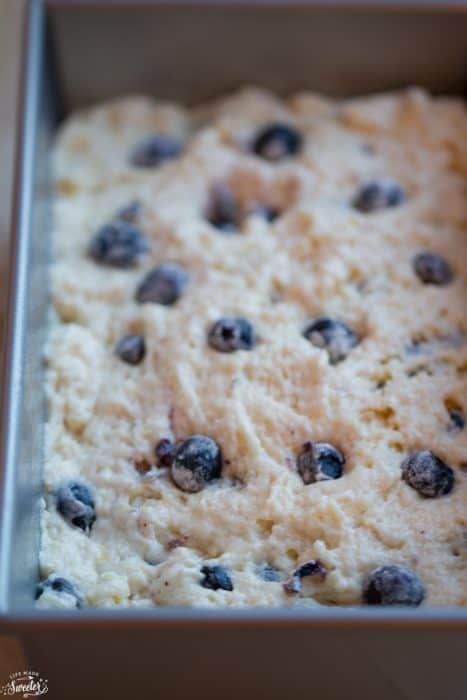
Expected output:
(427, 474)
(76, 504)
(154, 150)
(368, 149)
(393, 585)
(266, 212)
(319, 461)
(379, 194)
(164, 285)
(60, 586)
(130, 213)
(165, 450)
(196, 462)
(118, 245)
(131, 349)
(310, 568)
(277, 141)
(332, 335)
(269, 573)
(431, 268)
(215, 577)
(231, 333)
(457, 419)
(223, 210)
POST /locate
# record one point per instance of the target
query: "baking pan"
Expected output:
(76, 53)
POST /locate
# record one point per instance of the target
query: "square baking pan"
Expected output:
(77, 53)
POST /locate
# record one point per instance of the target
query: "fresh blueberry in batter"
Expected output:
(231, 333)
(310, 568)
(379, 194)
(131, 349)
(154, 150)
(393, 585)
(332, 335)
(59, 585)
(164, 285)
(196, 462)
(118, 244)
(76, 504)
(431, 268)
(457, 420)
(223, 210)
(266, 212)
(131, 212)
(215, 577)
(427, 474)
(165, 450)
(368, 149)
(319, 461)
(269, 573)
(277, 141)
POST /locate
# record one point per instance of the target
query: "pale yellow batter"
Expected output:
(389, 397)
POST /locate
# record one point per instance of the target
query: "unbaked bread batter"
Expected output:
(277, 289)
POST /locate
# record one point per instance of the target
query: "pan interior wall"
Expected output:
(193, 53)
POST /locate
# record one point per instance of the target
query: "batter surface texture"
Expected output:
(307, 244)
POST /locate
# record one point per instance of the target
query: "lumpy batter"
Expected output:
(258, 355)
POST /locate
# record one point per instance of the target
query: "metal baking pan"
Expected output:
(190, 51)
